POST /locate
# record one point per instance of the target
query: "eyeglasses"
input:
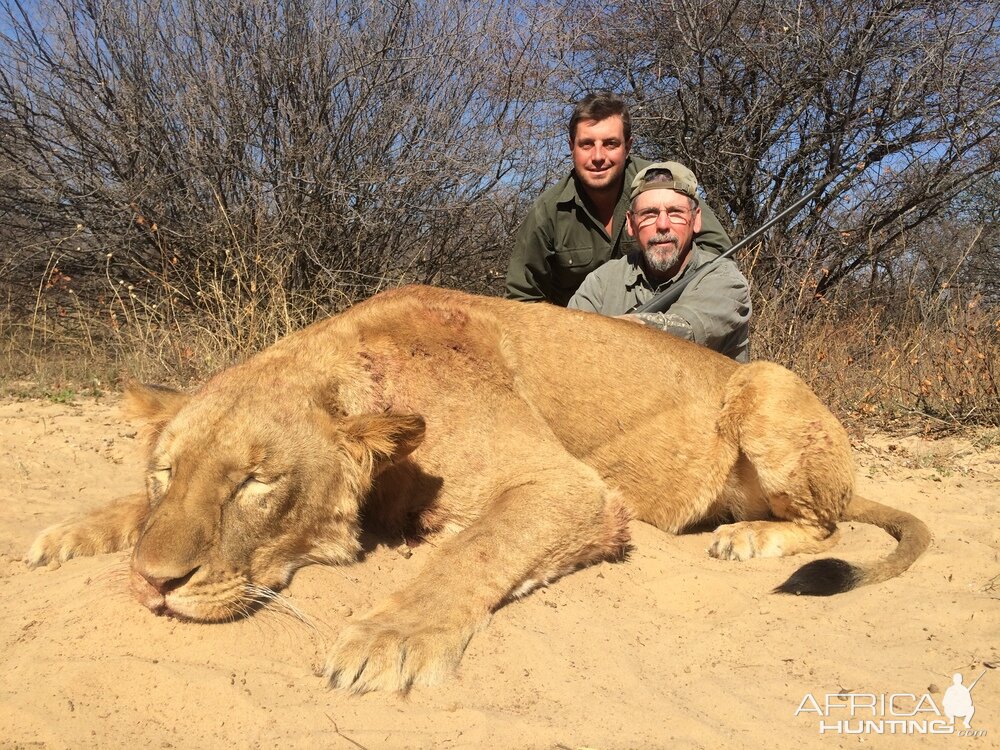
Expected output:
(647, 216)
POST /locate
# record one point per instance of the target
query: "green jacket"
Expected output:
(560, 242)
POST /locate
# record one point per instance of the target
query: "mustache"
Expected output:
(664, 238)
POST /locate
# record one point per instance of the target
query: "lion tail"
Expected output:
(832, 576)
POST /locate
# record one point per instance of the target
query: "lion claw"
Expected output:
(378, 654)
(74, 538)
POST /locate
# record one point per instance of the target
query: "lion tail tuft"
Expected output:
(822, 578)
(831, 576)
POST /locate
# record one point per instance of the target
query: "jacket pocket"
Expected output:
(573, 257)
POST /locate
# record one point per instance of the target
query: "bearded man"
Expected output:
(664, 219)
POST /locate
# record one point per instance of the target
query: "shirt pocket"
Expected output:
(573, 257)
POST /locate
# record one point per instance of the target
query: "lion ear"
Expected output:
(155, 405)
(377, 441)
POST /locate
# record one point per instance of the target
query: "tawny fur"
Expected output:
(531, 432)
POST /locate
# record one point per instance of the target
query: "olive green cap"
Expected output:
(678, 177)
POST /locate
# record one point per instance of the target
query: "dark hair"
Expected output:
(600, 105)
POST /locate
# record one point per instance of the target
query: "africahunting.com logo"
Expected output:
(895, 713)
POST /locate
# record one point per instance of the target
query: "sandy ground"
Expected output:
(670, 648)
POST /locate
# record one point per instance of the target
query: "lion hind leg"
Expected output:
(110, 528)
(789, 509)
(795, 475)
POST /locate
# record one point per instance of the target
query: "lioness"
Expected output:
(531, 433)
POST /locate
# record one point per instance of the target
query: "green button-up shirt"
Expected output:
(713, 311)
(560, 242)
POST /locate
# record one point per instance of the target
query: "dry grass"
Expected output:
(77, 337)
(894, 364)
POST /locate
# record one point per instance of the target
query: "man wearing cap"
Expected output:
(578, 224)
(664, 219)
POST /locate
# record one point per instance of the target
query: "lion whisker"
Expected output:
(263, 594)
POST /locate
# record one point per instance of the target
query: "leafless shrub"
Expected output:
(335, 146)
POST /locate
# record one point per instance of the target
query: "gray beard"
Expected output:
(661, 259)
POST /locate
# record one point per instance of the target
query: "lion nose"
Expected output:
(164, 585)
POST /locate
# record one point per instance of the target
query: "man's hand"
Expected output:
(632, 318)
(663, 321)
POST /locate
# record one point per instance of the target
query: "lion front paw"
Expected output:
(59, 542)
(110, 528)
(75, 538)
(382, 652)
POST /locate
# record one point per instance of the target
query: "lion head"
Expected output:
(245, 487)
